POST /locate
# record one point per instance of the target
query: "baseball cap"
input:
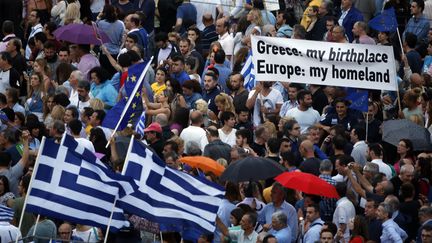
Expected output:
(154, 127)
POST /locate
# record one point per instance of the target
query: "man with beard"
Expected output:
(83, 90)
(374, 224)
(211, 91)
(265, 101)
(304, 114)
(51, 57)
(238, 92)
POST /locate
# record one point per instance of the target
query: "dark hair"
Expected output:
(289, 157)
(84, 84)
(14, 94)
(109, 13)
(226, 115)
(288, 126)
(124, 60)
(245, 133)
(25, 182)
(75, 126)
(192, 85)
(411, 40)
(61, 99)
(360, 227)
(360, 132)
(339, 142)
(49, 44)
(8, 27)
(213, 131)
(341, 188)
(134, 56)
(219, 56)
(175, 84)
(409, 146)
(17, 43)
(425, 168)
(259, 4)
(88, 112)
(5, 158)
(5, 56)
(173, 144)
(38, 13)
(74, 110)
(344, 159)
(101, 74)
(420, 4)
(161, 36)
(51, 27)
(5, 181)
(40, 36)
(376, 148)
(181, 116)
(212, 75)
(97, 137)
(302, 93)
(178, 57)
(3, 99)
(133, 36)
(273, 145)
(100, 115)
(268, 237)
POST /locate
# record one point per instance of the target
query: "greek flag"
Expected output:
(169, 197)
(70, 183)
(6, 214)
(248, 73)
(141, 124)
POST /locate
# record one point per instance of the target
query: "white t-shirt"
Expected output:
(86, 144)
(227, 43)
(230, 138)
(344, 212)
(383, 168)
(270, 101)
(194, 134)
(304, 118)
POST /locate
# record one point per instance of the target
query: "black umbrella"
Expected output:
(395, 130)
(252, 169)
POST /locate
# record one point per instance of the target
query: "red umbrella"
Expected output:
(307, 183)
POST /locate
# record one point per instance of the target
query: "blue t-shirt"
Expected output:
(188, 13)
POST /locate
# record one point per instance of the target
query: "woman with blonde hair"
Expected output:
(224, 103)
(97, 104)
(57, 113)
(255, 27)
(72, 14)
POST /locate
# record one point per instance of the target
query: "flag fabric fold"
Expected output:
(6, 214)
(129, 108)
(172, 198)
(248, 72)
(70, 183)
(141, 124)
(385, 21)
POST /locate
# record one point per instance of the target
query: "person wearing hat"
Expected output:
(340, 116)
(153, 136)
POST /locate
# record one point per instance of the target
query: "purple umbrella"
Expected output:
(81, 34)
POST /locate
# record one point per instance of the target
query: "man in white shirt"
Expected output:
(75, 127)
(358, 136)
(344, 212)
(375, 154)
(304, 114)
(74, 77)
(194, 132)
(227, 132)
(264, 100)
(225, 39)
(36, 27)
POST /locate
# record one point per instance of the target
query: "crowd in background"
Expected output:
(196, 103)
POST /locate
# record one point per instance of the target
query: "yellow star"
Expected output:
(126, 98)
(133, 78)
(137, 94)
(133, 105)
(133, 114)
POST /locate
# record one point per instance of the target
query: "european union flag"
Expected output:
(386, 21)
(131, 104)
(358, 98)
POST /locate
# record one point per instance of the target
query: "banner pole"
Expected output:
(367, 125)
(397, 85)
(35, 169)
(110, 220)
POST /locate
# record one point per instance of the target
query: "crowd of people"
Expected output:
(196, 103)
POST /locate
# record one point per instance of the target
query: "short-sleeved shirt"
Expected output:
(270, 101)
(239, 236)
(188, 13)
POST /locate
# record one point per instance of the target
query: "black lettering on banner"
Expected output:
(364, 74)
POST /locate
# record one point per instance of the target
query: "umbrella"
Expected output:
(203, 163)
(81, 34)
(307, 183)
(252, 169)
(395, 130)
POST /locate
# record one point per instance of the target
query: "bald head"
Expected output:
(207, 18)
(416, 79)
(196, 118)
(307, 145)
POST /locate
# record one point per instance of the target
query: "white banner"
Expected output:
(324, 63)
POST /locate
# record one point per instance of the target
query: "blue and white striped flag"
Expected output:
(167, 196)
(6, 214)
(141, 124)
(248, 72)
(73, 185)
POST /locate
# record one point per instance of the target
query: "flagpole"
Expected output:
(115, 201)
(36, 166)
(397, 85)
(110, 220)
(367, 125)
(129, 101)
(35, 226)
